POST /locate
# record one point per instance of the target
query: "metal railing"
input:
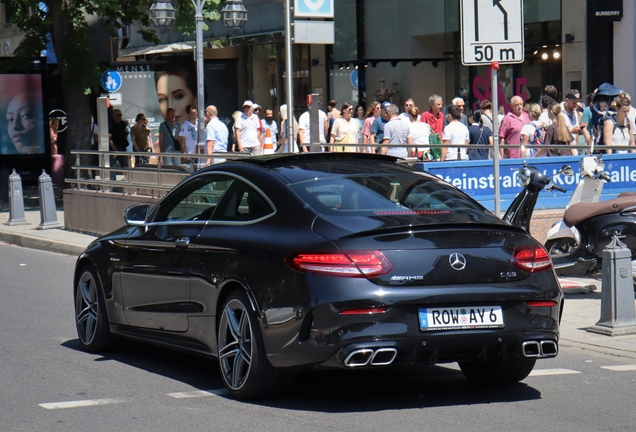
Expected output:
(157, 179)
(154, 179)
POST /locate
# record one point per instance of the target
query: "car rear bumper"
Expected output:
(326, 338)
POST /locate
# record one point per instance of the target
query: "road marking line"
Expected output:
(198, 393)
(77, 404)
(620, 367)
(546, 372)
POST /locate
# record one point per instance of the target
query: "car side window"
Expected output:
(242, 203)
(196, 200)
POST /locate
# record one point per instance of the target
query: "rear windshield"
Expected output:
(386, 194)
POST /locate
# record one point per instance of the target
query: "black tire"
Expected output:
(507, 370)
(246, 371)
(91, 319)
(560, 246)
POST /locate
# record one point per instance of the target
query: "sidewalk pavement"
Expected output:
(582, 296)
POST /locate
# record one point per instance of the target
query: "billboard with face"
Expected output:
(152, 88)
(21, 114)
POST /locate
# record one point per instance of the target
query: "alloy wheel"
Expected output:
(86, 308)
(236, 344)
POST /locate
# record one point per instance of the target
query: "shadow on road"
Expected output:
(330, 391)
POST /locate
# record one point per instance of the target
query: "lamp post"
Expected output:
(289, 84)
(162, 14)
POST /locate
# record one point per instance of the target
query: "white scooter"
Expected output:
(588, 190)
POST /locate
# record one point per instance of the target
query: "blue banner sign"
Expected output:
(476, 178)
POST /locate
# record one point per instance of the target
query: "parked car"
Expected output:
(331, 260)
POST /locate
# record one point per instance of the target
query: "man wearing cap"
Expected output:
(248, 136)
(377, 129)
(570, 109)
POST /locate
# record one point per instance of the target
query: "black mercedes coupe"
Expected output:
(334, 260)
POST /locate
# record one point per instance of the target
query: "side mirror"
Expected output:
(567, 170)
(136, 215)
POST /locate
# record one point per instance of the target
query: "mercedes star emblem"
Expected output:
(457, 261)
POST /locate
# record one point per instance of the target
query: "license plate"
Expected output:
(461, 318)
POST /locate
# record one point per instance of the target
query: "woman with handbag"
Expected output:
(141, 138)
(344, 131)
(479, 134)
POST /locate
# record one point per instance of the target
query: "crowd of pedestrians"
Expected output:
(384, 128)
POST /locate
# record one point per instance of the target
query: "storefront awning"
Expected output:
(171, 48)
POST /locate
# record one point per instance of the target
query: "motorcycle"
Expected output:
(588, 190)
(595, 222)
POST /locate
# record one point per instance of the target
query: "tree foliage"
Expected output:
(66, 23)
(73, 45)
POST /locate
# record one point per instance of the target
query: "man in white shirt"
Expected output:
(570, 110)
(455, 133)
(396, 131)
(304, 129)
(407, 106)
(189, 133)
(248, 131)
(216, 133)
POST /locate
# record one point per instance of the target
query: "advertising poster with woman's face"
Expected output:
(156, 88)
(21, 119)
(176, 85)
(138, 95)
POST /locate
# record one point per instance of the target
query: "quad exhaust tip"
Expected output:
(371, 356)
(540, 349)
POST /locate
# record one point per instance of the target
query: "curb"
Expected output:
(38, 243)
(601, 349)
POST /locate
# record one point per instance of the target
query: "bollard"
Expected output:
(618, 315)
(16, 201)
(48, 211)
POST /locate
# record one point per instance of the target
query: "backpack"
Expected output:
(538, 137)
(601, 125)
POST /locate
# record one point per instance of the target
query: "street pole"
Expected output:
(494, 68)
(289, 85)
(198, 18)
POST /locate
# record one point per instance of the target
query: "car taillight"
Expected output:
(343, 264)
(540, 303)
(531, 258)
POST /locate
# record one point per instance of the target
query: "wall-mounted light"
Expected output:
(569, 38)
(348, 66)
(544, 56)
(435, 63)
(556, 55)
(394, 63)
(341, 66)
(374, 63)
(315, 62)
(416, 62)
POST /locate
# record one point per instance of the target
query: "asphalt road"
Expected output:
(48, 384)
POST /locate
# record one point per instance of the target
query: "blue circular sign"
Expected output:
(111, 81)
(354, 78)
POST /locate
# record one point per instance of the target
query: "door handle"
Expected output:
(183, 242)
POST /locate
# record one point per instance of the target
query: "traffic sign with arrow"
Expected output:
(492, 31)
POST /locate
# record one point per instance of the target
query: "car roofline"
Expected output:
(285, 158)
